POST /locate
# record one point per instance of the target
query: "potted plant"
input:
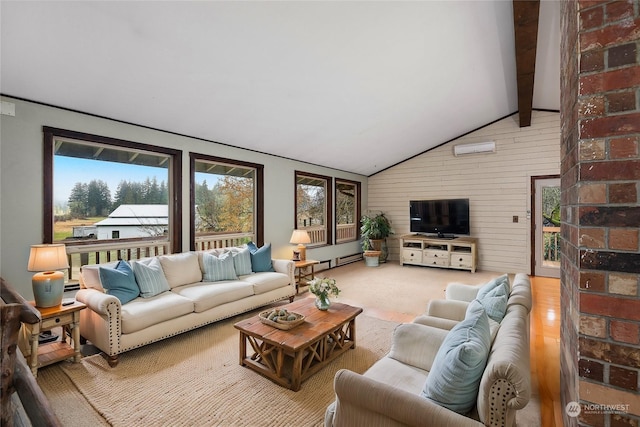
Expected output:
(371, 256)
(374, 231)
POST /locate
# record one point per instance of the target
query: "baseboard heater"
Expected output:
(348, 259)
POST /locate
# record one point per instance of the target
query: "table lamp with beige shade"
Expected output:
(300, 237)
(48, 282)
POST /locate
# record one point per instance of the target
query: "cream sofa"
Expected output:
(189, 302)
(389, 393)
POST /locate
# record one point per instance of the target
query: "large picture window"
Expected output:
(347, 210)
(313, 201)
(102, 195)
(226, 202)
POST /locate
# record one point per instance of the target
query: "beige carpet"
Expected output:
(188, 381)
(195, 379)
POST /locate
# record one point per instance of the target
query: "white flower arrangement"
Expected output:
(322, 286)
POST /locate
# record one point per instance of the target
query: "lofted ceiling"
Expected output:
(357, 86)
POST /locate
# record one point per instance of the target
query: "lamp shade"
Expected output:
(48, 284)
(48, 258)
(300, 237)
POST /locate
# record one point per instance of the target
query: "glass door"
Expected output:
(547, 227)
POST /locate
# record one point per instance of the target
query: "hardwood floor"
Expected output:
(545, 348)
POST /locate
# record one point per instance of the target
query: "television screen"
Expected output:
(445, 218)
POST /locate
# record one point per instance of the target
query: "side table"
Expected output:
(305, 272)
(65, 316)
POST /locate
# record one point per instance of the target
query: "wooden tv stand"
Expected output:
(459, 252)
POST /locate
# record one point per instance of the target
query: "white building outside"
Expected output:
(128, 221)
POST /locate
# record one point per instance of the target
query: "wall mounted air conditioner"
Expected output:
(477, 147)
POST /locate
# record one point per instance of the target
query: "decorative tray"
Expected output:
(281, 318)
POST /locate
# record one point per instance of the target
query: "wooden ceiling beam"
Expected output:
(525, 23)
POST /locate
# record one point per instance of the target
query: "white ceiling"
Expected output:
(357, 86)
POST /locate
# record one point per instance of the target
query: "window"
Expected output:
(226, 202)
(313, 199)
(347, 210)
(98, 189)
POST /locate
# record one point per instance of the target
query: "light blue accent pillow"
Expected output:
(454, 379)
(491, 284)
(260, 258)
(495, 302)
(218, 268)
(120, 282)
(150, 277)
(242, 261)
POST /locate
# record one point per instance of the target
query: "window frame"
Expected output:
(174, 176)
(358, 207)
(328, 208)
(258, 194)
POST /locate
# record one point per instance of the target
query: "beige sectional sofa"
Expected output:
(187, 300)
(390, 393)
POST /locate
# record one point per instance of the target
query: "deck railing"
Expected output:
(87, 252)
(317, 234)
(551, 242)
(346, 232)
(216, 241)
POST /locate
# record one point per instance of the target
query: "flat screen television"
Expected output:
(446, 218)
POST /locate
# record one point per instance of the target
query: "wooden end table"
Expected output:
(290, 357)
(65, 316)
(305, 272)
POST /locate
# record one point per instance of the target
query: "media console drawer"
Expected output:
(463, 260)
(435, 257)
(412, 256)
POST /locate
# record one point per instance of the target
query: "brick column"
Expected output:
(600, 125)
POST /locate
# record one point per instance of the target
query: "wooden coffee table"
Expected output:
(290, 357)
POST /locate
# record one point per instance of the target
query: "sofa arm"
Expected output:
(287, 267)
(101, 321)
(416, 345)
(362, 401)
(447, 309)
(96, 300)
(461, 292)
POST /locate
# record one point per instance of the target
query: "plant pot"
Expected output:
(380, 245)
(372, 258)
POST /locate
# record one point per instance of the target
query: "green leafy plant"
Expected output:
(374, 227)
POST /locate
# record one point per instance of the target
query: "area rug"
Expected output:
(195, 380)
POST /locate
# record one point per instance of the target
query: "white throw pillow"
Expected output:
(181, 269)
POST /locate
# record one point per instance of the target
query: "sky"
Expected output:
(67, 171)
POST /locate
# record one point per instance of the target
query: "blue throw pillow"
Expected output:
(454, 378)
(260, 258)
(218, 268)
(150, 277)
(120, 282)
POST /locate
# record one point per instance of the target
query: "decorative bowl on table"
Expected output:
(281, 318)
